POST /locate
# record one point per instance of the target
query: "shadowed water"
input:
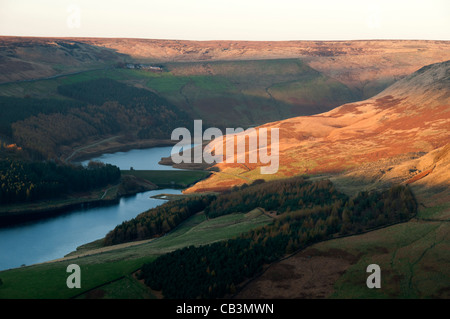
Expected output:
(52, 238)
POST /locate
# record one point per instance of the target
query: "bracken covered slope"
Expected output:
(410, 117)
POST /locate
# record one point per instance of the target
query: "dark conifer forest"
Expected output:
(157, 221)
(94, 108)
(23, 181)
(305, 213)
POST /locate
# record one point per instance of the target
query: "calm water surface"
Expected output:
(143, 159)
(52, 238)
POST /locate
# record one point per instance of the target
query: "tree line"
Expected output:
(92, 108)
(157, 221)
(24, 181)
(215, 270)
(280, 196)
(17, 109)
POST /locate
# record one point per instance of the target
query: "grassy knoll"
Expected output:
(169, 178)
(49, 280)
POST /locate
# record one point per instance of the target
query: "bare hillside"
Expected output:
(368, 66)
(404, 122)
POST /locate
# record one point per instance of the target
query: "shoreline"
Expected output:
(42, 210)
(22, 213)
(12, 218)
(111, 145)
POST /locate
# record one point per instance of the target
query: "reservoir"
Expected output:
(54, 237)
(139, 159)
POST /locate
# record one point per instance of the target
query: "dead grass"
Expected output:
(355, 135)
(310, 274)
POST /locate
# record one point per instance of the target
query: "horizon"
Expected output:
(202, 20)
(210, 40)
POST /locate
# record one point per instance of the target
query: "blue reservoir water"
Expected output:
(139, 159)
(54, 237)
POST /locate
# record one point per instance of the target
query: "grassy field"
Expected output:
(237, 93)
(169, 178)
(112, 269)
(414, 259)
(127, 287)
